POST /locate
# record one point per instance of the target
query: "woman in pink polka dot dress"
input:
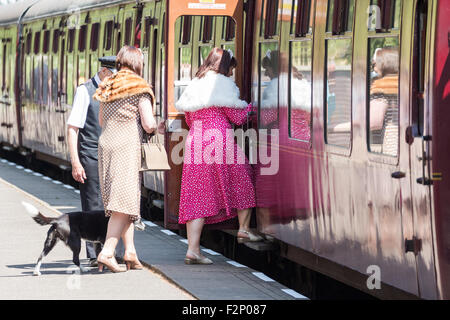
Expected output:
(217, 179)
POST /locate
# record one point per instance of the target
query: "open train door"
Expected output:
(191, 32)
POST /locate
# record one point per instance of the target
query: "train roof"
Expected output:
(9, 14)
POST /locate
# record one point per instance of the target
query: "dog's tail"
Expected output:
(36, 215)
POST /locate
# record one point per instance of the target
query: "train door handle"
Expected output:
(398, 175)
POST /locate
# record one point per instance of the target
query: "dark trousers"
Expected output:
(91, 198)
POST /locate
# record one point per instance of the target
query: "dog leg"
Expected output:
(75, 245)
(48, 246)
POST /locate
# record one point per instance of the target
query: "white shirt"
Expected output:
(80, 106)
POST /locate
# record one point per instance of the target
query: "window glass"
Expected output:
(229, 29)
(55, 41)
(36, 80)
(268, 84)
(71, 40)
(127, 37)
(94, 36)
(346, 14)
(184, 71)
(108, 35)
(28, 46)
(383, 64)
(37, 42)
(300, 90)
(46, 41)
(82, 38)
(338, 93)
(298, 8)
(204, 52)
(270, 18)
(377, 10)
(147, 25)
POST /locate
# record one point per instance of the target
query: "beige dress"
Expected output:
(119, 156)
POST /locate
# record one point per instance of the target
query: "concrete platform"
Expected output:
(162, 251)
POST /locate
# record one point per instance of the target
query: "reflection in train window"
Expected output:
(268, 84)
(383, 80)
(384, 15)
(207, 30)
(203, 53)
(301, 17)
(300, 90)
(184, 70)
(340, 16)
(147, 26)
(338, 93)
(229, 29)
(271, 27)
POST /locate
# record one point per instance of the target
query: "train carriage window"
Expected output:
(128, 24)
(28, 43)
(70, 42)
(186, 30)
(147, 27)
(340, 16)
(384, 15)
(55, 41)
(82, 38)
(108, 35)
(268, 84)
(37, 42)
(184, 64)
(207, 30)
(270, 27)
(383, 89)
(4, 67)
(46, 42)
(301, 17)
(94, 36)
(338, 92)
(299, 81)
(229, 31)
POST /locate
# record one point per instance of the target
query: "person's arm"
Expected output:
(78, 172)
(77, 120)
(146, 112)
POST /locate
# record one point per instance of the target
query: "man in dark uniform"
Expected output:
(83, 133)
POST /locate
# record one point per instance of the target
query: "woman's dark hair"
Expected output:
(218, 60)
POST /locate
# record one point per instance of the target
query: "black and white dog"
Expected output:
(71, 227)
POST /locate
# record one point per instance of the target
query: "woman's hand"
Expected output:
(162, 127)
(78, 172)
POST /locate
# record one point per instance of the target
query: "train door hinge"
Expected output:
(413, 245)
(425, 181)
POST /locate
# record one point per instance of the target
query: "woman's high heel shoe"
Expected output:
(132, 261)
(109, 262)
(251, 237)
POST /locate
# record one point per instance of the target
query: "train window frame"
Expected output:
(94, 39)
(377, 33)
(4, 49)
(342, 34)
